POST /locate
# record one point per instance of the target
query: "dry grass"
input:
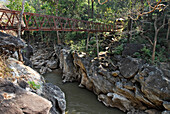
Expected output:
(5, 71)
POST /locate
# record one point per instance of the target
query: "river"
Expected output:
(79, 100)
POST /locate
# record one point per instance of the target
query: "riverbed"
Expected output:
(79, 100)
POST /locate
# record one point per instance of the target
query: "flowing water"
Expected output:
(79, 101)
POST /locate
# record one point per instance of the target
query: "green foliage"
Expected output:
(79, 46)
(118, 50)
(144, 53)
(33, 85)
(161, 54)
(16, 5)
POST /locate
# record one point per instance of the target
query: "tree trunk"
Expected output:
(92, 9)
(97, 42)
(129, 29)
(20, 19)
(87, 41)
(58, 37)
(88, 9)
(167, 35)
(154, 46)
(19, 30)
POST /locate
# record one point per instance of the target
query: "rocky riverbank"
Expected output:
(22, 89)
(130, 84)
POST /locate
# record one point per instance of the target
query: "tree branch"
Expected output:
(144, 13)
(102, 2)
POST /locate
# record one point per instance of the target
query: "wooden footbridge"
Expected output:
(36, 22)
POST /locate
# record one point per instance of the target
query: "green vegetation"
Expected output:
(118, 50)
(33, 85)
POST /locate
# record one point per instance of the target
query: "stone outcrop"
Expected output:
(17, 100)
(123, 82)
(21, 87)
(9, 44)
(56, 96)
(43, 60)
(22, 75)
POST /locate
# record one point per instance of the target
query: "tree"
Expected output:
(20, 19)
(157, 29)
(19, 29)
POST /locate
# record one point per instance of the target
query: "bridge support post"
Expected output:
(97, 42)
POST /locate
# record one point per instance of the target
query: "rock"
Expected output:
(10, 43)
(139, 95)
(115, 73)
(102, 71)
(166, 112)
(43, 70)
(23, 84)
(154, 85)
(56, 96)
(135, 111)
(129, 85)
(27, 51)
(130, 49)
(52, 64)
(129, 67)
(130, 95)
(21, 101)
(101, 84)
(67, 65)
(152, 111)
(23, 72)
(166, 105)
(27, 62)
(105, 99)
(116, 101)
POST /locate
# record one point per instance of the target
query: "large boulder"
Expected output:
(129, 67)
(22, 75)
(56, 96)
(9, 43)
(53, 64)
(115, 100)
(154, 85)
(16, 100)
(67, 65)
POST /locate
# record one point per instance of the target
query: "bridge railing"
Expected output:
(36, 22)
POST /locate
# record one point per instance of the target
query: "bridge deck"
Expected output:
(35, 22)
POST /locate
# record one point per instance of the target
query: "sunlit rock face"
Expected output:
(23, 75)
(14, 99)
(25, 91)
(123, 82)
